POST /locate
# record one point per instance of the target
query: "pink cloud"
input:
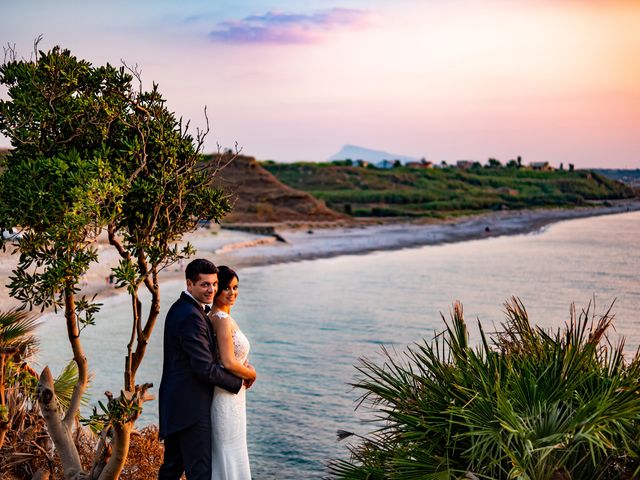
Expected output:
(288, 28)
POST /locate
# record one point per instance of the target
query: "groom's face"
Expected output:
(204, 288)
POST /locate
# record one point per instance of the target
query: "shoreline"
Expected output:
(309, 244)
(309, 241)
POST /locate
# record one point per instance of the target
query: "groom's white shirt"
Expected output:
(201, 304)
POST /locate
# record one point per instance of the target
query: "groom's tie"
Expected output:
(207, 309)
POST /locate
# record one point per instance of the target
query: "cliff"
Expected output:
(258, 196)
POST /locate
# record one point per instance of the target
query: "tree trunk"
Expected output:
(78, 356)
(59, 431)
(120, 442)
(129, 372)
(154, 312)
(120, 437)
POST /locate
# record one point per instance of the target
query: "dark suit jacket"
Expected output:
(189, 369)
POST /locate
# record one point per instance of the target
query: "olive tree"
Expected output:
(93, 153)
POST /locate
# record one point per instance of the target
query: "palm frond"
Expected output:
(526, 403)
(17, 329)
(65, 383)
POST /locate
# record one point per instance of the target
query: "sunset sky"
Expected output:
(550, 80)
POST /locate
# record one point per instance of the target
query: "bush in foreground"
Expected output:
(33, 452)
(25, 446)
(525, 404)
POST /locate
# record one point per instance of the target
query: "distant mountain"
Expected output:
(360, 153)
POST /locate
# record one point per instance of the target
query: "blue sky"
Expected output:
(555, 81)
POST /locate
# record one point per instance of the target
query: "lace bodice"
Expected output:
(241, 344)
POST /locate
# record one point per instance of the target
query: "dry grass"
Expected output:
(27, 448)
(145, 455)
(31, 450)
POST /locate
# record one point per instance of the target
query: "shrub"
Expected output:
(526, 403)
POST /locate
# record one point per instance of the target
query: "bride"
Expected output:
(230, 457)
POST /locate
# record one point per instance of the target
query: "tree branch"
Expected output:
(111, 230)
(78, 356)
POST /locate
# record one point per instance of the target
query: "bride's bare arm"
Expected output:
(224, 335)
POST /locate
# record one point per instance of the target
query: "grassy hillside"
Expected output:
(418, 192)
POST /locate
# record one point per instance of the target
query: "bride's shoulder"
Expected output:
(221, 318)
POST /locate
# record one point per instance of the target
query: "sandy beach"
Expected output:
(303, 241)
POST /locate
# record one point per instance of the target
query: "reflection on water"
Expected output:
(309, 322)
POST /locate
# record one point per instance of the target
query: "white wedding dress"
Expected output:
(230, 457)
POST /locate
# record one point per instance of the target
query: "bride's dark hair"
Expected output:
(225, 275)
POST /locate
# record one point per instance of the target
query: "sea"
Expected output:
(311, 322)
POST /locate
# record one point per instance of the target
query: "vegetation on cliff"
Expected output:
(436, 192)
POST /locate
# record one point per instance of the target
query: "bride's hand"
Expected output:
(249, 383)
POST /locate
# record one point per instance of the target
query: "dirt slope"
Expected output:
(258, 196)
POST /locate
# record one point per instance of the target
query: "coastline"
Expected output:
(307, 241)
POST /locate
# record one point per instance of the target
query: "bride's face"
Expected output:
(228, 295)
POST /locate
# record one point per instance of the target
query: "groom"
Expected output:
(189, 373)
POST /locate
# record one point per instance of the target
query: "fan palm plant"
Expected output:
(524, 404)
(23, 433)
(17, 344)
